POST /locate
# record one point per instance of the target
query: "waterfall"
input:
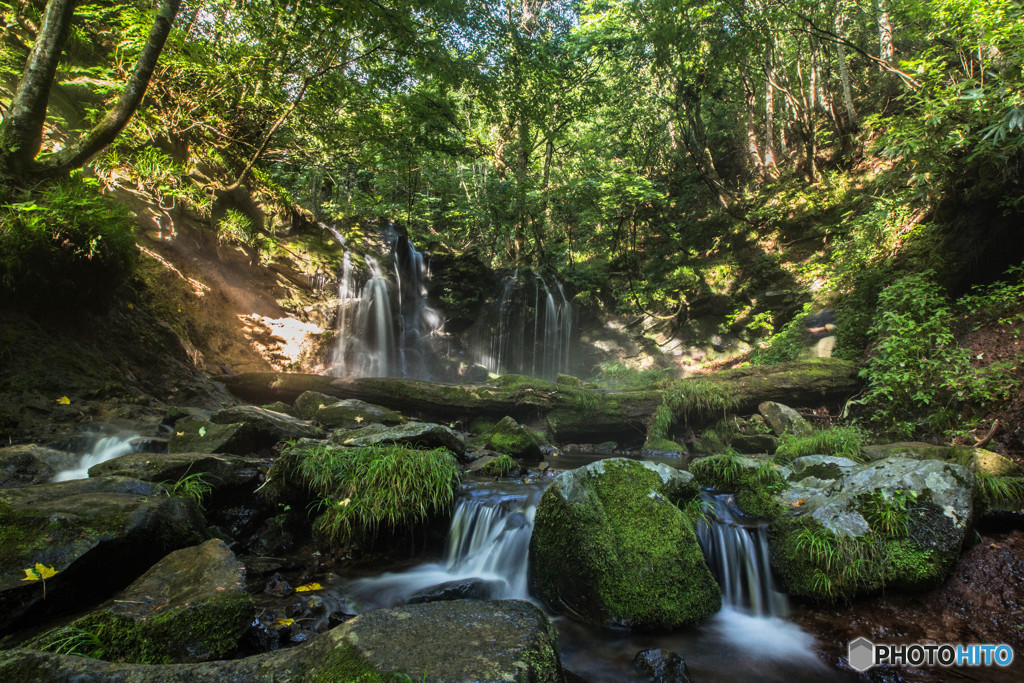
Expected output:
(737, 552)
(385, 329)
(103, 449)
(488, 542)
(533, 331)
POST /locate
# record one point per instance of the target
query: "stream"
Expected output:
(486, 556)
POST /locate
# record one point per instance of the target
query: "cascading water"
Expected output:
(737, 552)
(103, 449)
(534, 328)
(488, 542)
(385, 329)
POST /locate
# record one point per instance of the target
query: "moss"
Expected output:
(912, 567)
(510, 437)
(755, 483)
(664, 445)
(205, 631)
(343, 664)
(634, 555)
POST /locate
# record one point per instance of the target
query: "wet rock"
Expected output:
(784, 420)
(278, 587)
(908, 449)
(897, 522)
(512, 438)
(343, 414)
(271, 425)
(461, 640)
(217, 470)
(753, 443)
(195, 435)
(610, 545)
(822, 467)
(191, 606)
(98, 534)
(478, 589)
(662, 666)
(28, 464)
(422, 434)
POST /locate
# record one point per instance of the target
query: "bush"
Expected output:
(844, 442)
(788, 344)
(64, 245)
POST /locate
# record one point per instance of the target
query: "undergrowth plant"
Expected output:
(688, 400)
(71, 640)
(193, 486)
(844, 442)
(359, 491)
(502, 466)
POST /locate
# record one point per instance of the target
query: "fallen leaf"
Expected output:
(202, 431)
(358, 418)
(284, 622)
(179, 433)
(308, 587)
(39, 573)
(64, 401)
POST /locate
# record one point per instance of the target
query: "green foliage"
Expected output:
(71, 640)
(886, 511)
(690, 400)
(194, 487)
(63, 245)
(359, 491)
(844, 442)
(501, 466)
(788, 344)
(236, 227)
(998, 490)
(918, 376)
(618, 376)
(754, 483)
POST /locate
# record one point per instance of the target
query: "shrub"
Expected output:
(63, 244)
(845, 442)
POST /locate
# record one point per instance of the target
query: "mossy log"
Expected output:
(569, 413)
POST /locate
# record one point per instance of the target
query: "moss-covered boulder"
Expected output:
(419, 434)
(512, 438)
(348, 413)
(898, 522)
(461, 640)
(784, 420)
(97, 534)
(191, 606)
(611, 546)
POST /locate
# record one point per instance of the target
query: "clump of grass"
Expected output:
(886, 511)
(361, 490)
(688, 400)
(194, 487)
(755, 486)
(845, 442)
(501, 466)
(71, 640)
(998, 490)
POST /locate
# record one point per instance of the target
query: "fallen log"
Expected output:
(570, 410)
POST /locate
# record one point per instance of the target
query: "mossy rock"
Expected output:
(512, 438)
(909, 449)
(611, 546)
(98, 534)
(217, 470)
(755, 481)
(500, 466)
(343, 413)
(898, 522)
(654, 448)
(191, 606)
(459, 640)
(271, 426)
(417, 434)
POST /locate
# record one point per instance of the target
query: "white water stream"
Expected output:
(104, 448)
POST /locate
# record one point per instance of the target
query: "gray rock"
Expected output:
(908, 449)
(422, 434)
(28, 464)
(461, 640)
(476, 589)
(274, 425)
(822, 467)
(610, 546)
(191, 606)
(784, 420)
(753, 443)
(353, 413)
(218, 470)
(662, 666)
(98, 534)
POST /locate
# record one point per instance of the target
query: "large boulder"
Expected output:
(611, 546)
(896, 522)
(240, 430)
(343, 414)
(96, 534)
(191, 606)
(420, 434)
(784, 420)
(512, 438)
(462, 640)
(273, 425)
(217, 470)
(28, 464)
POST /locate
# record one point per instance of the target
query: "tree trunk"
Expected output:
(568, 416)
(886, 48)
(844, 76)
(117, 118)
(769, 115)
(751, 102)
(21, 135)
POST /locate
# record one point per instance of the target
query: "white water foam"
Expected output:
(105, 448)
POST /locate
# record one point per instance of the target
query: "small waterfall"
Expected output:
(105, 448)
(488, 541)
(534, 327)
(737, 552)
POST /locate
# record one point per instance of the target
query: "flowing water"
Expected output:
(104, 448)
(487, 552)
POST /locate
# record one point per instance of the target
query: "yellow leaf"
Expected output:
(308, 587)
(343, 503)
(359, 418)
(64, 401)
(284, 622)
(131, 307)
(179, 433)
(39, 573)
